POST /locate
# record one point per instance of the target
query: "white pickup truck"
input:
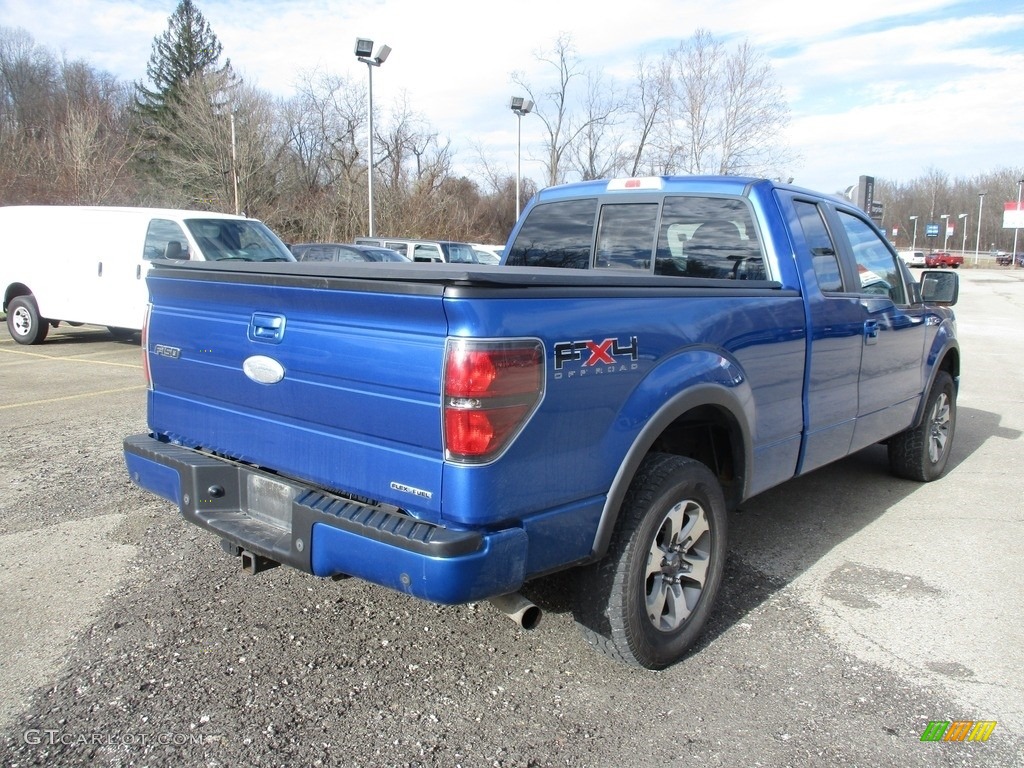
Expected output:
(88, 264)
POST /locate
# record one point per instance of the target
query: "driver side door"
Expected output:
(891, 380)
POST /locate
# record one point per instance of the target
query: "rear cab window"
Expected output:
(678, 235)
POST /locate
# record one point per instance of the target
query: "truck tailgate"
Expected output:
(290, 371)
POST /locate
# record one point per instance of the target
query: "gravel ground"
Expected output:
(131, 639)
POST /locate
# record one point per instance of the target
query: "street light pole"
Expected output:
(963, 244)
(364, 53)
(521, 107)
(913, 245)
(1013, 257)
(977, 241)
(234, 161)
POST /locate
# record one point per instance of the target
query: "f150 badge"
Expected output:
(588, 356)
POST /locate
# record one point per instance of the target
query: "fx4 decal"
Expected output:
(580, 358)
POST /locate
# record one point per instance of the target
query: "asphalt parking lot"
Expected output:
(856, 609)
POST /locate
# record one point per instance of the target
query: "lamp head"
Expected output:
(364, 48)
(382, 54)
(521, 106)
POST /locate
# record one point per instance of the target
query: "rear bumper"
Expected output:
(327, 535)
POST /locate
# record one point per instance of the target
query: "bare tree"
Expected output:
(648, 102)
(556, 109)
(29, 84)
(753, 114)
(697, 81)
(727, 111)
(597, 152)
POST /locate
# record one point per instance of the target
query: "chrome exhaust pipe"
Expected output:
(518, 608)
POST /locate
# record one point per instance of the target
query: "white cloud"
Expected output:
(876, 87)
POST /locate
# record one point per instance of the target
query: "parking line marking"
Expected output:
(72, 397)
(70, 359)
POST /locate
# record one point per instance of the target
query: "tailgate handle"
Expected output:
(266, 327)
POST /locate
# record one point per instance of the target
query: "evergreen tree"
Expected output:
(187, 50)
(182, 114)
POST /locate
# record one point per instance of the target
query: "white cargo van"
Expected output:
(88, 264)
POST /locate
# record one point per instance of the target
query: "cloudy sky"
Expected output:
(875, 87)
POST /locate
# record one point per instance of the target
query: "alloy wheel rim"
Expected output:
(938, 433)
(677, 565)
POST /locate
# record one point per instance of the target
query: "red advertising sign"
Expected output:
(1013, 215)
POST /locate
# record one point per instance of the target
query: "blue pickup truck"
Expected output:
(650, 353)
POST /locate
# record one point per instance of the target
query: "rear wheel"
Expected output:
(23, 321)
(647, 602)
(922, 452)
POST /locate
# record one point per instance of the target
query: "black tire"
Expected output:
(922, 452)
(24, 323)
(122, 334)
(647, 613)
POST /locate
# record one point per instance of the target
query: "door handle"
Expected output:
(870, 331)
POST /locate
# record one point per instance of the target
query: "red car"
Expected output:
(943, 259)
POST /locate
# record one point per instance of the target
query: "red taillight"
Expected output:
(490, 390)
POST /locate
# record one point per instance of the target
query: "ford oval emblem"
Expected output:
(263, 369)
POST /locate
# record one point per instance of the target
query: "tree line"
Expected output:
(197, 135)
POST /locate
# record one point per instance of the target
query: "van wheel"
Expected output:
(647, 602)
(24, 323)
(122, 334)
(922, 452)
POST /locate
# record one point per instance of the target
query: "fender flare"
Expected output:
(944, 348)
(700, 395)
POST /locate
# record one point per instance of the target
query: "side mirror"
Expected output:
(173, 250)
(940, 286)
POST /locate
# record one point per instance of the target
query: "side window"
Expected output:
(317, 253)
(460, 254)
(426, 253)
(710, 237)
(344, 254)
(165, 240)
(625, 236)
(556, 234)
(823, 253)
(402, 248)
(877, 266)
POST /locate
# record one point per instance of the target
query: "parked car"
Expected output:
(488, 254)
(943, 259)
(344, 252)
(913, 258)
(439, 251)
(1004, 259)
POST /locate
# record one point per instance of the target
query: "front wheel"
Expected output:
(23, 321)
(647, 602)
(922, 452)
